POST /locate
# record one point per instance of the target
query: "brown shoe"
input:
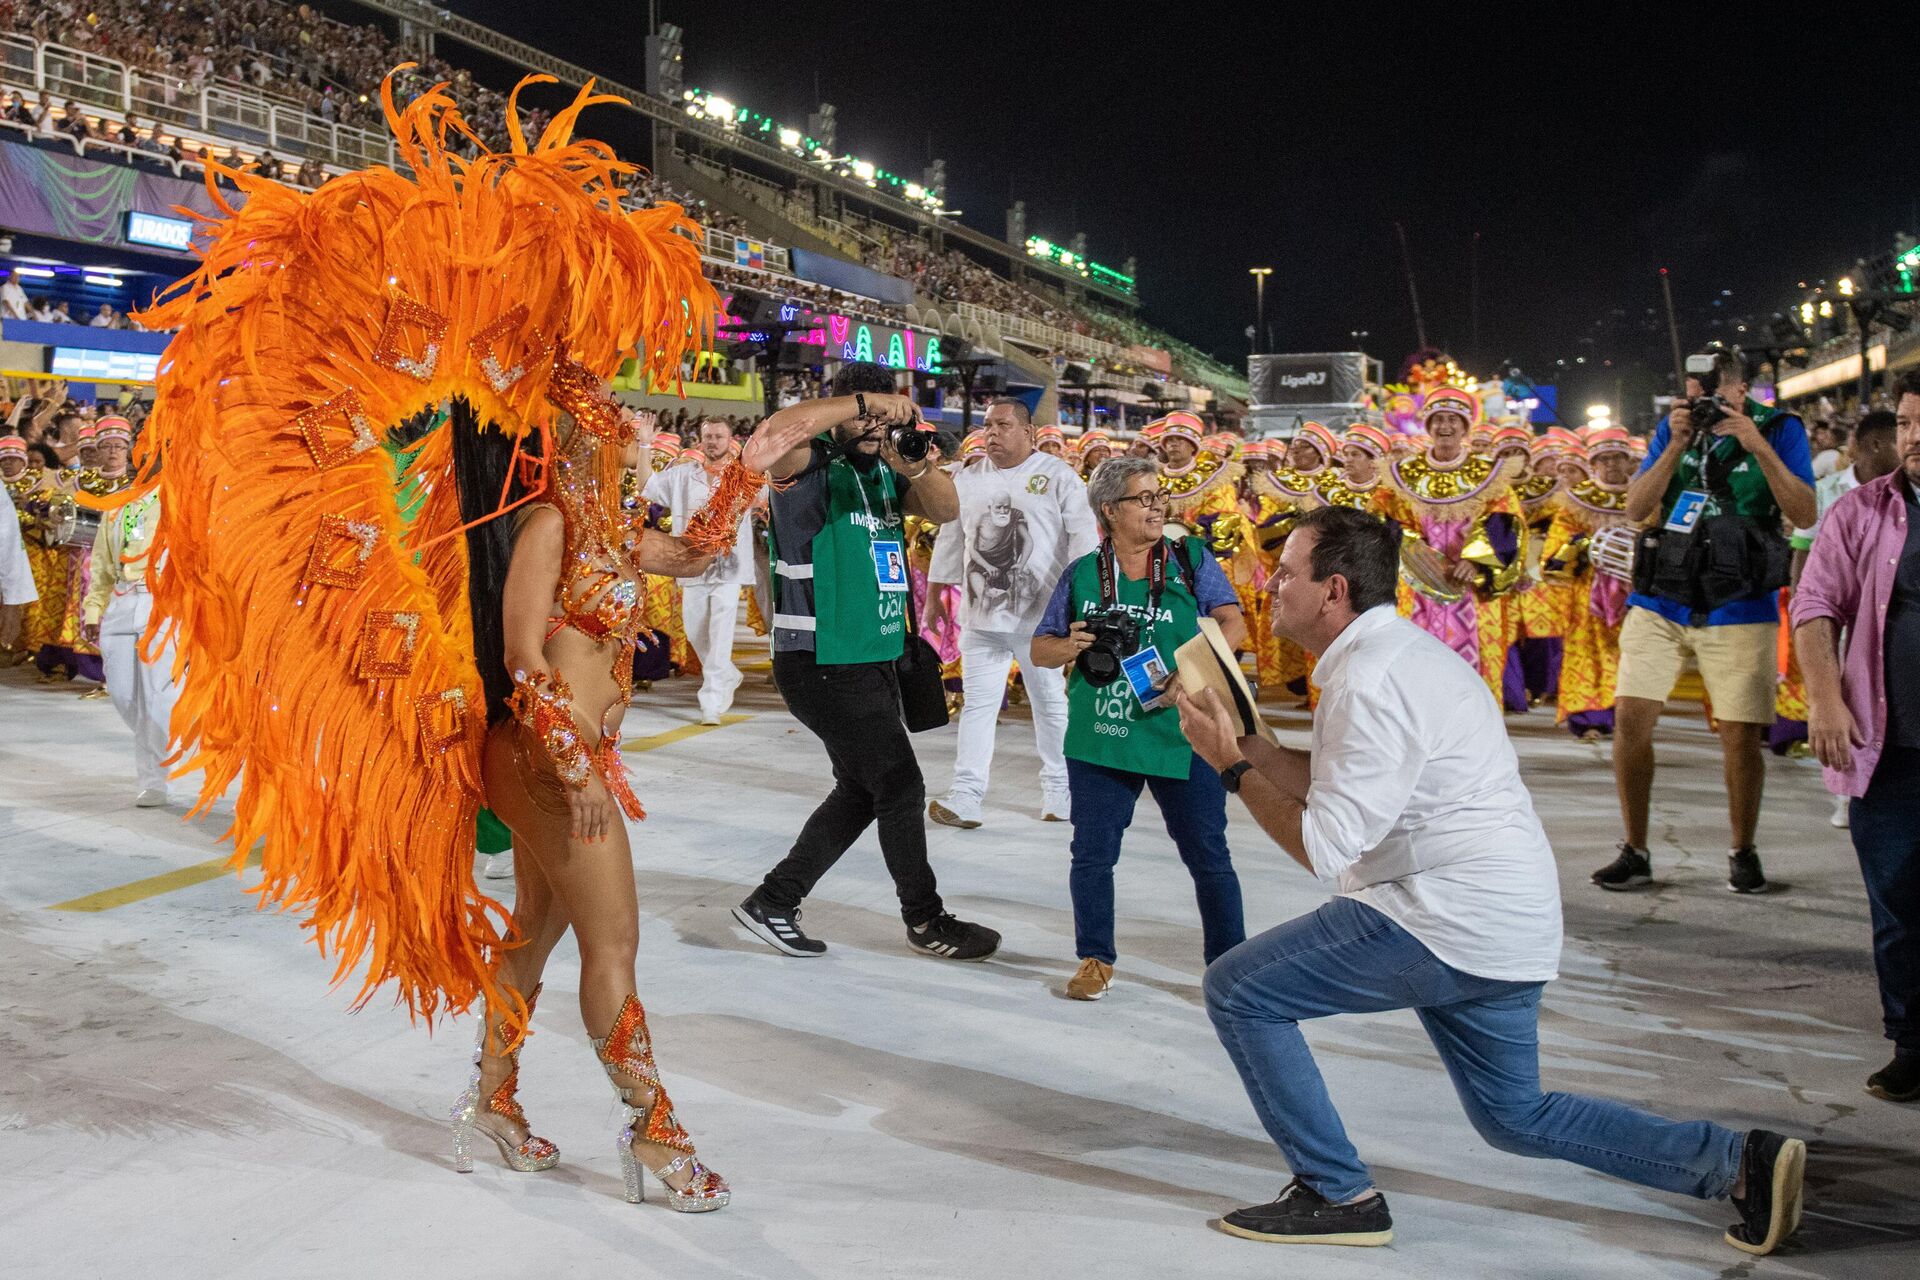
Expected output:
(1091, 981)
(948, 818)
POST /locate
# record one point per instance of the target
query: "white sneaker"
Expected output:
(499, 866)
(1839, 818)
(1057, 806)
(710, 717)
(151, 798)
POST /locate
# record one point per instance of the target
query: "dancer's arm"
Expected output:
(542, 698)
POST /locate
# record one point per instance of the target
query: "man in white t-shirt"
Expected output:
(1410, 806)
(13, 299)
(710, 602)
(1023, 518)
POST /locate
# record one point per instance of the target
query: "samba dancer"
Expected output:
(1460, 508)
(1591, 660)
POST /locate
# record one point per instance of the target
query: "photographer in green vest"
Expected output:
(1116, 618)
(840, 618)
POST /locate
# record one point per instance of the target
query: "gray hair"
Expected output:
(1110, 480)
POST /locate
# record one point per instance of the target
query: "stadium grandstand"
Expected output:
(112, 110)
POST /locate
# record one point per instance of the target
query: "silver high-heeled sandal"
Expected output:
(628, 1050)
(532, 1155)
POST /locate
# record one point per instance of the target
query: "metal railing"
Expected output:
(227, 110)
(1036, 331)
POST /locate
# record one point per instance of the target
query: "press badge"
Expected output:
(890, 565)
(1686, 511)
(1147, 675)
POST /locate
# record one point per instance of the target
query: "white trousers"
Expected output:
(142, 692)
(711, 613)
(985, 659)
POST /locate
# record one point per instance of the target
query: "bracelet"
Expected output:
(543, 703)
(860, 403)
(710, 530)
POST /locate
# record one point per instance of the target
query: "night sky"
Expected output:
(1585, 155)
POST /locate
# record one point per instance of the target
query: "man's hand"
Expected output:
(1832, 733)
(886, 408)
(1464, 573)
(90, 632)
(1743, 429)
(772, 440)
(1208, 727)
(1680, 426)
(936, 611)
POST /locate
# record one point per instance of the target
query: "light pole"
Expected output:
(1259, 275)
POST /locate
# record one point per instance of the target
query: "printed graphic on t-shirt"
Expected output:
(1005, 584)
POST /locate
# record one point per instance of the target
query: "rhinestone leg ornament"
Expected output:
(628, 1051)
(530, 1156)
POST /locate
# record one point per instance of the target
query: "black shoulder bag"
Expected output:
(923, 688)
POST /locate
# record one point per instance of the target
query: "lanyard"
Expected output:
(886, 493)
(1156, 573)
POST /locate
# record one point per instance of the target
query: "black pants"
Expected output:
(854, 709)
(1885, 826)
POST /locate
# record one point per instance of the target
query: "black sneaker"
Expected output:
(1899, 1080)
(781, 932)
(952, 939)
(1302, 1216)
(1773, 1167)
(1743, 872)
(1631, 870)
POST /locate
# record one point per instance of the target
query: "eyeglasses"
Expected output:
(1152, 500)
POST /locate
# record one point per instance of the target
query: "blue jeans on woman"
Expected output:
(1195, 811)
(1349, 958)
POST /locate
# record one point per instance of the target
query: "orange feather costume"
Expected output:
(326, 642)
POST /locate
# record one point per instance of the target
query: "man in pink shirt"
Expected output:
(1863, 576)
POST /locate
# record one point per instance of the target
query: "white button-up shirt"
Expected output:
(683, 489)
(1416, 807)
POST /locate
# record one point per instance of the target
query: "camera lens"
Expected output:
(910, 442)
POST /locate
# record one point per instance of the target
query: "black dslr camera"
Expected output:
(1116, 635)
(1707, 409)
(913, 444)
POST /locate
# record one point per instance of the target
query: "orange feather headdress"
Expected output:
(322, 626)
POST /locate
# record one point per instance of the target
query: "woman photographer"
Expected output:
(1138, 591)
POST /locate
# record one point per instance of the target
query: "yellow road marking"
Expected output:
(154, 886)
(681, 734)
(201, 872)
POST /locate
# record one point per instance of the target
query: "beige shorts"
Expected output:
(1738, 664)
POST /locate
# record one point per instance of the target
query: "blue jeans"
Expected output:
(1348, 958)
(1885, 825)
(1195, 811)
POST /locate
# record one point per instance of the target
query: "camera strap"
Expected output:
(1156, 573)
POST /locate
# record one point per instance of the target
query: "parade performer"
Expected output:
(114, 615)
(1463, 508)
(1544, 602)
(1200, 483)
(1050, 439)
(1096, 446)
(1363, 451)
(366, 681)
(662, 600)
(1282, 493)
(26, 487)
(68, 654)
(1591, 657)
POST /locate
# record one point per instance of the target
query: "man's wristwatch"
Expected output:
(1231, 775)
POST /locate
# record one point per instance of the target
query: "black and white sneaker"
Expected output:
(952, 939)
(781, 932)
(1743, 872)
(1773, 1167)
(1302, 1216)
(1631, 870)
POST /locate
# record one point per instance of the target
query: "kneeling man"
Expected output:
(1410, 803)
